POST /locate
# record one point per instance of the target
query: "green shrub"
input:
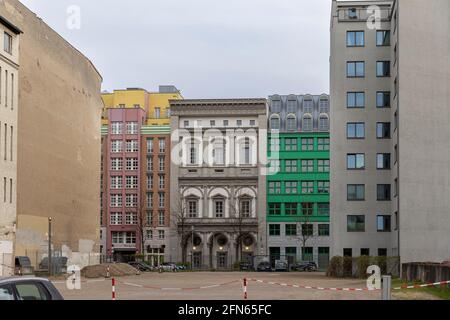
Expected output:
(335, 268)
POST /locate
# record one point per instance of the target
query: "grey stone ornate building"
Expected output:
(217, 185)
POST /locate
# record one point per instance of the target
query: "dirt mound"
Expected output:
(115, 270)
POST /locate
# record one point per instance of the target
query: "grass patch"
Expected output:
(442, 292)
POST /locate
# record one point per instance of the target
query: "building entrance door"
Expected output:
(222, 258)
(197, 260)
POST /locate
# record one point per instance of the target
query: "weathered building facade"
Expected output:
(217, 185)
(58, 143)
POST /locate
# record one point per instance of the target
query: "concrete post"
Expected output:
(386, 283)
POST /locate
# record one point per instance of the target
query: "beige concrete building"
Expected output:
(390, 93)
(9, 69)
(58, 150)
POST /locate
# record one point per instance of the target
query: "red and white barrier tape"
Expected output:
(311, 287)
(418, 286)
(176, 289)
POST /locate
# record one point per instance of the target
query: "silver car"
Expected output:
(28, 288)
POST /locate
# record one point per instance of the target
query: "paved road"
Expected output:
(144, 287)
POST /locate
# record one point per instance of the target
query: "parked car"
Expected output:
(305, 266)
(281, 265)
(23, 266)
(169, 266)
(15, 288)
(141, 266)
(246, 266)
(264, 266)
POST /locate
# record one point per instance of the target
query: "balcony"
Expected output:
(349, 14)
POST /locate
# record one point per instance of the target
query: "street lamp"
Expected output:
(50, 246)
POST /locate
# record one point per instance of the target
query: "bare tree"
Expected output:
(143, 223)
(306, 232)
(178, 221)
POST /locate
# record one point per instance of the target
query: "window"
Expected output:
(291, 229)
(291, 209)
(323, 187)
(116, 146)
(307, 166)
(219, 208)
(356, 100)
(274, 166)
(246, 208)
(161, 218)
(162, 145)
(116, 182)
(131, 218)
(308, 230)
(383, 99)
(132, 127)
(225, 123)
(274, 187)
(307, 144)
(116, 127)
(383, 161)
(323, 165)
(239, 123)
(116, 218)
(291, 166)
(308, 106)
(291, 123)
(274, 209)
(355, 192)
(274, 230)
(356, 130)
(31, 291)
(356, 223)
(186, 123)
(307, 208)
(149, 234)
(276, 106)
(307, 187)
(192, 206)
(218, 152)
(383, 223)
(149, 164)
(193, 153)
(116, 200)
(157, 113)
(324, 106)
(383, 68)
(383, 192)
(132, 145)
(292, 106)
(116, 164)
(396, 221)
(323, 209)
(252, 123)
(274, 144)
(355, 38)
(161, 200)
(352, 13)
(290, 144)
(162, 163)
(323, 144)
(382, 252)
(356, 69)
(291, 187)
(131, 200)
(275, 123)
(307, 123)
(132, 164)
(161, 234)
(162, 181)
(150, 145)
(383, 38)
(383, 130)
(131, 182)
(212, 123)
(324, 123)
(324, 230)
(149, 200)
(7, 42)
(355, 161)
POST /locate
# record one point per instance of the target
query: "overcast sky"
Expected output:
(207, 48)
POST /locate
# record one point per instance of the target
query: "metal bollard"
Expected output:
(245, 289)
(386, 283)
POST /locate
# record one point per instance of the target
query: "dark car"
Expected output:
(141, 266)
(305, 266)
(281, 265)
(246, 266)
(14, 288)
(264, 266)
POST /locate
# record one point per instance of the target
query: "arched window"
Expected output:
(292, 106)
(324, 123)
(308, 105)
(218, 152)
(291, 124)
(276, 106)
(275, 123)
(307, 122)
(324, 105)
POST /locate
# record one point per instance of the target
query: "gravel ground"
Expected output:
(100, 289)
